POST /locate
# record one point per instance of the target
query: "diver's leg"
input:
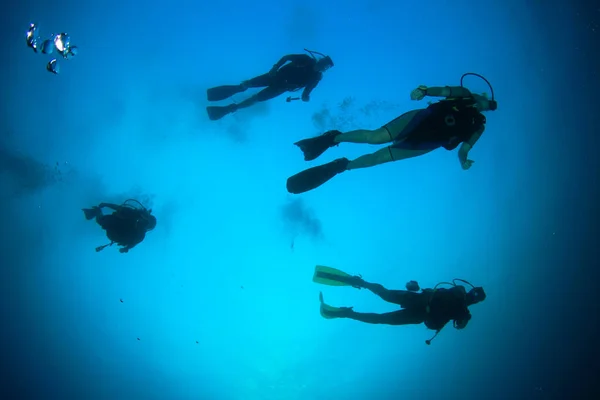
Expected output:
(403, 298)
(400, 317)
(402, 125)
(263, 80)
(375, 136)
(265, 94)
(387, 133)
(383, 156)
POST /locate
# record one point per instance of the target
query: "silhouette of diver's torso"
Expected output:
(123, 227)
(298, 74)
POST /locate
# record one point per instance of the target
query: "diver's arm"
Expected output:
(126, 249)
(461, 323)
(463, 152)
(447, 91)
(135, 241)
(308, 89)
(132, 245)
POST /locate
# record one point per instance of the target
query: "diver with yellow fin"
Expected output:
(434, 307)
(455, 119)
(126, 226)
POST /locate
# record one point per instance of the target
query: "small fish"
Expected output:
(121, 300)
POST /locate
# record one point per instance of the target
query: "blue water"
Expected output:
(218, 302)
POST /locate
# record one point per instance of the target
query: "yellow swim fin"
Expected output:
(332, 277)
(331, 312)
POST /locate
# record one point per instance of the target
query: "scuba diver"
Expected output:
(126, 226)
(434, 307)
(60, 43)
(301, 71)
(446, 123)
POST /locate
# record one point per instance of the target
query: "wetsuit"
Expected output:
(298, 73)
(435, 309)
(126, 226)
(446, 123)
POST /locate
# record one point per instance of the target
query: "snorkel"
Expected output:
(322, 57)
(312, 53)
(493, 103)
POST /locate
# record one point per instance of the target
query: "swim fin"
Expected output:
(314, 147)
(91, 213)
(314, 177)
(334, 277)
(215, 112)
(330, 312)
(223, 92)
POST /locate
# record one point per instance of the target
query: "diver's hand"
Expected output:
(123, 250)
(419, 93)
(461, 324)
(305, 98)
(467, 164)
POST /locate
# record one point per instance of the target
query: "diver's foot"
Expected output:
(356, 282)
(314, 147)
(91, 213)
(331, 312)
(217, 112)
(341, 164)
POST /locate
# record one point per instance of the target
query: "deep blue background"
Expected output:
(125, 118)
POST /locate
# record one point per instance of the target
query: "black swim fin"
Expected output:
(316, 176)
(91, 213)
(215, 112)
(314, 147)
(223, 92)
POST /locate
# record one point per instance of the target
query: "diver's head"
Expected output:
(151, 222)
(147, 220)
(485, 104)
(323, 64)
(475, 296)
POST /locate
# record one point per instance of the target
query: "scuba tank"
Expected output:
(453, 284)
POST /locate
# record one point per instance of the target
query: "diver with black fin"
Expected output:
(126, 226)
(433, 307)
(292, 73)
(455, 120)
